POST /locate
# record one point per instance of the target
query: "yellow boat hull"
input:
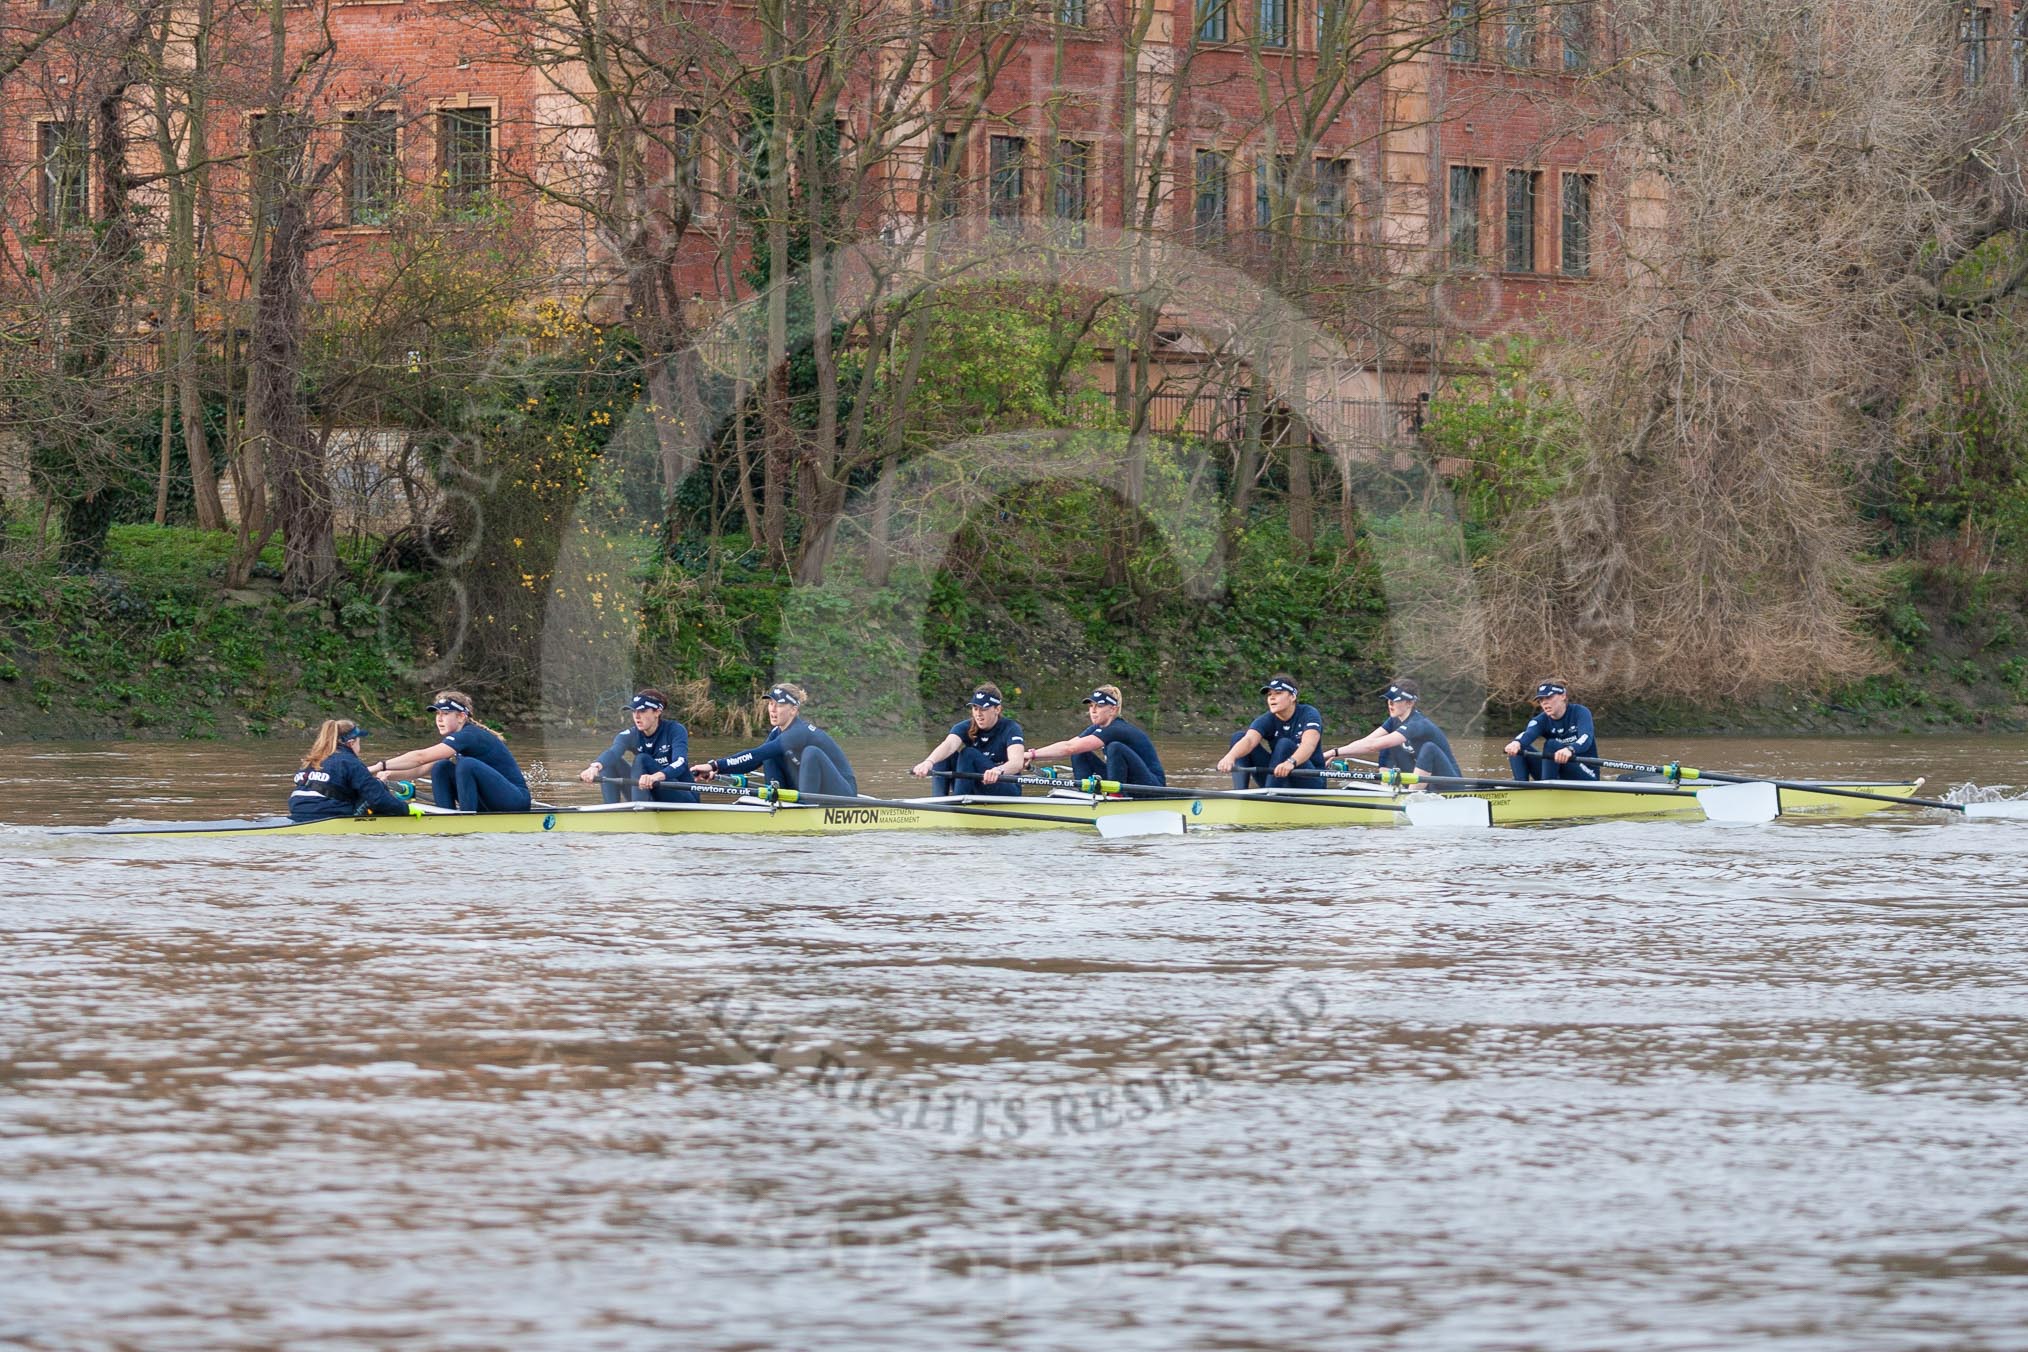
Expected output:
(1257, 809)
(1651, 801)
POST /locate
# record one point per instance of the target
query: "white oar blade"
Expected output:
(2014, 808)
(1128, 824)
(1740, 803)
(1457, 814)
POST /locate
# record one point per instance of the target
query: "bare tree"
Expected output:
(1798, 177)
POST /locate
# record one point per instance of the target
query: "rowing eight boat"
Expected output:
(1509, 804)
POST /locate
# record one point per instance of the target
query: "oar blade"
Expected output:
(2015, 809)
(1741, 804)
(1434, 810)
(1123, 825)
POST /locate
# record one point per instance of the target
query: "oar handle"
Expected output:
(1341, 769)
(1672, 770)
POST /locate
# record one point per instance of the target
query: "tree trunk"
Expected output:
(301, 480)
(879, 548)
(1302, 492)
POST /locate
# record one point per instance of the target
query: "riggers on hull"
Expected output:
(1644, 800)
(1052, 812)
(1255, 808)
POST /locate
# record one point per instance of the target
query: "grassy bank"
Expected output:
(152, 647)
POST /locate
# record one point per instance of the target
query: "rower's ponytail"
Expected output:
(333, 731)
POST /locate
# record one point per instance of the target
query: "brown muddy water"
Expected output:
(1614, 1086)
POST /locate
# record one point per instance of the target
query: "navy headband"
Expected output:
(780, 696)
(1548, 688)
(1278, 684)
(1101, 697)
(450, 706)
(640, 702)
(982, 699)
(1395, 692)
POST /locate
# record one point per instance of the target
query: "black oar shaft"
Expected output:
(1173, 793)
(1794, 786)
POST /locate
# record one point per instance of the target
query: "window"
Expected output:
(1974, 31)
(944, 168)
(1211, 20)
(65, 158)
(1070, 13)
(1573, 28)
(1007, 189)
(2021, 47)
(1578, 190)
(1069, 175)
(465, 156)
(686, 154)
(1273, 188)
(1523, 186)
(1462, 44)
(1334, 200)
(371, 168)
(1467, 185)
(1520, 39)
(1273, 26)
(1207, 215)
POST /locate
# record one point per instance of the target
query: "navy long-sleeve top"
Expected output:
(1303, 718)
(1135, 740)
(1421, 731)
(666, 751)
(783, 750)
(482, 745)
(341, 786)
(1573, 730)
(994, 743)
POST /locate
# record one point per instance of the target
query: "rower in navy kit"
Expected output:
(987, 740)
(1407, 740)
(1284, 746)
(334, 782)
(797, 753)
(1565, 732)
(1110, 748)
(471, 769)
(660, 748)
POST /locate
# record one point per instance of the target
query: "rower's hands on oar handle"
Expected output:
(920, 769)
(704, 772)
(591, 773)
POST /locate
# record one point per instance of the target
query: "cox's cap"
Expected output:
(640, 702)
(353, 735)
(1401, 690)
(450, 706)
(1279, 683)
(1105, 697)
(985, 699)
(1548, 688)
(781, 695)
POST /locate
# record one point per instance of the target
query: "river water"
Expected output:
(1615, 1086)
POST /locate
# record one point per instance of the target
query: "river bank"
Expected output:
(153, 647)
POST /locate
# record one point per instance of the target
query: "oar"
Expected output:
(1174, 792)
(1766, 804)
(1421, 809)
